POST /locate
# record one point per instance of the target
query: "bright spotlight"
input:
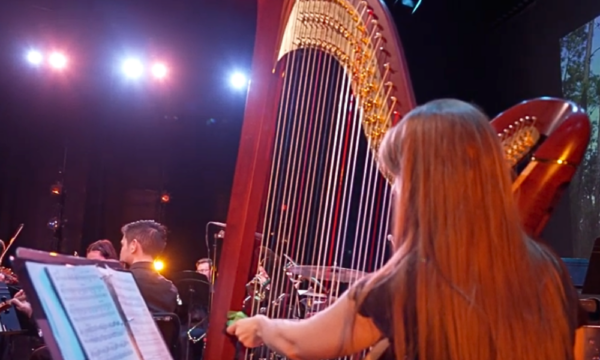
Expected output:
(133, 68)
(57, 60)
(159, 70)
(238, 80)
(158, 265)
(34, 57)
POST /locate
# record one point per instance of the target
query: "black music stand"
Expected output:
(195, 291)
(24, 256)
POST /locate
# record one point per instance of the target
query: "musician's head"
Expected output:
(101, 250)
(448, 168)
(461, 253)
(204, 267)
(142, 240)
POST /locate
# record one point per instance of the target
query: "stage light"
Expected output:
(53, 224)
(34, 57)
(57, 60)
(158, 265)
(56, 188)
(239, 80)
(133, 68)
(159, 71)
(165, 198)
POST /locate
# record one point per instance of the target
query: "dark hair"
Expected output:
(151, 235)
(105, 248)
(204, 260)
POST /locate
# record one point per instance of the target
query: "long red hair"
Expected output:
(467, 283)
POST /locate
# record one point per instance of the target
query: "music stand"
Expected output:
(194, 290)
(23, 256)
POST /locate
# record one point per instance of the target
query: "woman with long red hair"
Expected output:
(465, 282)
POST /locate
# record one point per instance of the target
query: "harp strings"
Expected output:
(319, 118)
(254, 300)
(327, 204)
(277, 221)
(329, 250)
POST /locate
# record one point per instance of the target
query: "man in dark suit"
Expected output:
(141, 244)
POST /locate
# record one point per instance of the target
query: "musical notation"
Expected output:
(145, 333)
(93, 314)
(63, 333)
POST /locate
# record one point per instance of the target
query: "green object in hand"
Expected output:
(233, 316)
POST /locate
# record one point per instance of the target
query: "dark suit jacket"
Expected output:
(159, 293)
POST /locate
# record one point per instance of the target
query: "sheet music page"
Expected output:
(93, 313)
(59, 323)
(149, 340)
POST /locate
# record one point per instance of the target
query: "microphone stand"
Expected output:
(189, 320)
(213, 270)
(213, 256)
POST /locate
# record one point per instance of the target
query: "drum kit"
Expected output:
(298, 291)
(281, 288)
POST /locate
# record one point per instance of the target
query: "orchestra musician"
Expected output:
(98, 250)
(464, 282)
(141, 244)
(204, 267)
(101, 250)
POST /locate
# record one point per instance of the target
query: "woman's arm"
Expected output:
(337, 331)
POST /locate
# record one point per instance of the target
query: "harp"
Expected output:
(328, 78)
(544, 141)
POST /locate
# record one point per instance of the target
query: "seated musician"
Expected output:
(204, 267)
(142, 242)
(101, 250)
(465, 282)
(98, 250)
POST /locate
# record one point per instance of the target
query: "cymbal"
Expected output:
(312, 294)
(329, 273)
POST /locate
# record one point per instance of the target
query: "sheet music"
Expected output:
(145, 332)
(61, 328)
(93, 313)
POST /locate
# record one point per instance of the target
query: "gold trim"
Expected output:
(554, 161)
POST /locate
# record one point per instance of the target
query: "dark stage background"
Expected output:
(126, 142)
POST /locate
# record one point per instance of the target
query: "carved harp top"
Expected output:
(328, 79)
(544, 141)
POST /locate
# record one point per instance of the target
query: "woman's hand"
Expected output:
(248, 331)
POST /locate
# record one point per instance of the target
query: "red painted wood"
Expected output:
(251, 173)
(568, 130)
